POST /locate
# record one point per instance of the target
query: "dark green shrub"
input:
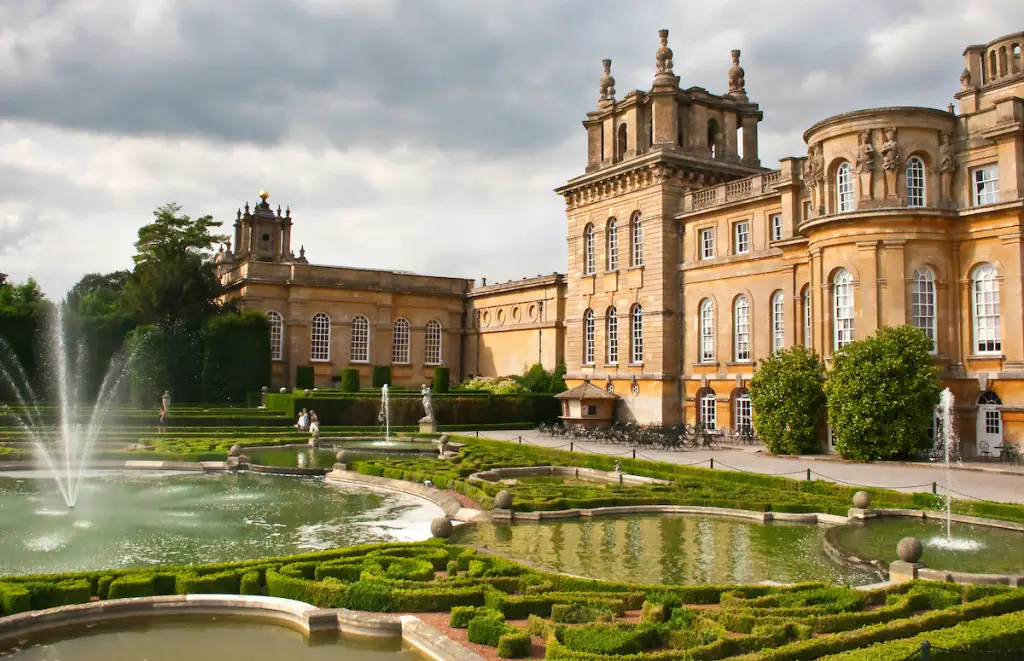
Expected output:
(434, 599)
(250, 583)
(236, 355)
(228, 582)
(609, 638)
(15, 599)
(461, 616)
(132, 585)
(656, 613)
(103, 586)
(881, 394)
(348, 572)
(453, 568)
(304, 377)
(380, 376)
(442, 380)
(373, 596)
(577, 612)
(61, 593)
(788, 395)
(485, 630)
(350, 379)
(515, 645)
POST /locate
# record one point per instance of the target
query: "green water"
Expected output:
(670, 549)
(1001, 551)
(137, 519)
(325, 458)
(209, 639)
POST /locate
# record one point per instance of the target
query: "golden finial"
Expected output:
(264, 195)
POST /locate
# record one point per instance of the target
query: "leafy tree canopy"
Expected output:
(788, 397)
(25, 298)
(99, 296)
(882, 392)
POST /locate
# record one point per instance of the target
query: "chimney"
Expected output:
(483, 282)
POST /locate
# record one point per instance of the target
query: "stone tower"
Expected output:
(644, 152)
(263, 234)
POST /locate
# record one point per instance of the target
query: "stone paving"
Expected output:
(989, 481)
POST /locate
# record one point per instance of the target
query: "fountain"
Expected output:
(384, 417)
(950, 449)
(63, 448)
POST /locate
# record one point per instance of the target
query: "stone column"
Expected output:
(1011, 295)
(894, 299)
(866, 290)
(818, 291)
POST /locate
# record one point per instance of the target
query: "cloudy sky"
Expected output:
(423, 135)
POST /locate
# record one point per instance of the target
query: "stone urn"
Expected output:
(340, 459)
(910, 549)
(236, 450)
(861, 500)
(264, 389)
(441, 527)
(503, 501)
(305, 393)
(284, 390)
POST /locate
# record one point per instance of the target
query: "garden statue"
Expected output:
(427, 423)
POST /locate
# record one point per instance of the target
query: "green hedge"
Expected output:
(514, 645)
(442, 380)
(304, 377)
(350, 379)
(380, 376)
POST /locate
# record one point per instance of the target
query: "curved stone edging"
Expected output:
(295, 614)
(762, 517)
(451, 505)
(130, 464)
(589, 474)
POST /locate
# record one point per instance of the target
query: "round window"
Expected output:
(516, 314)
(265, 237)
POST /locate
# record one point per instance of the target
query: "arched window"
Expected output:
(713, 138)
(588, 250)
(915, 182)
(707, 331)
(741, 329)
(844, 188)
(742, 416)
(706, 410)
(636, 335)
(588, 337)
(400, 341)
(359, 347)
(922, 303)
(636, 240)
(320, 338)
(612, 330)
(613, 244)
(622, 142)
(842, 299)
(778, 321)
(276, 334)
(805, 298)
(432, 343)
(985, 303)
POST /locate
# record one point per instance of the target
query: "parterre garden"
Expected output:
(519, 610)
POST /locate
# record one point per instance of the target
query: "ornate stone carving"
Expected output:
(737, 76)
(965, 80)
(866, 165)
(814, 176)
(892, 159)
(663, 58)
(607, 87)
(948, 165)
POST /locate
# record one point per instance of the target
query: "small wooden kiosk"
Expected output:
(588, 405)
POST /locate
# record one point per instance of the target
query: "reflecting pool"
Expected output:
(987, 551)
(137, 519)
(202, 640)
(670, 549)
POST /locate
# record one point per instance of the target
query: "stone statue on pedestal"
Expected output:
(427, 423)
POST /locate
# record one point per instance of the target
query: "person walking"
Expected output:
(314, 423)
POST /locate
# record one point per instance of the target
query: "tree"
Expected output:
(882, 392)
(23, 310)
(788, 398)
(236, 356)
(537, 379)
(99, 296)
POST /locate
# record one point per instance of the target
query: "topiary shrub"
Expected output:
(788, 397)
(515, 645)
(132, 585)
(461, 616)
(453, 568)
(442, 379)
(381, 376)
(304, 376)
(486, 630)
(881, 394)
(374, 596)
(251, 583)
(350, 379)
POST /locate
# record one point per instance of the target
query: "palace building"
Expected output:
(689, 261)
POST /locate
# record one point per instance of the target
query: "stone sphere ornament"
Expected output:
(306, 392)
(283, 390)
(861, 500)
(236, 450)
(441, 527)
(503, 500)
(341, 456)
(910, 549)
(264, 389)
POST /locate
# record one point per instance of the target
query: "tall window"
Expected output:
(588, 337)
(741, 329)
(842, 297)
(806, 300)
(778, 321)
(276, 334)
(707, 243)
(588, 249)
(741, 238)
(776, 226)
(707, 331)
(922, 303)
(359, 347)
(612, 322)
(985, 185)
(636, 229)
(743, 414)
(985, 301)
(613, 245)
(844, 188)
(915, 182)
(706, 413)
(432, 343)
(320, 337)
(636, 335)
(400, 341)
